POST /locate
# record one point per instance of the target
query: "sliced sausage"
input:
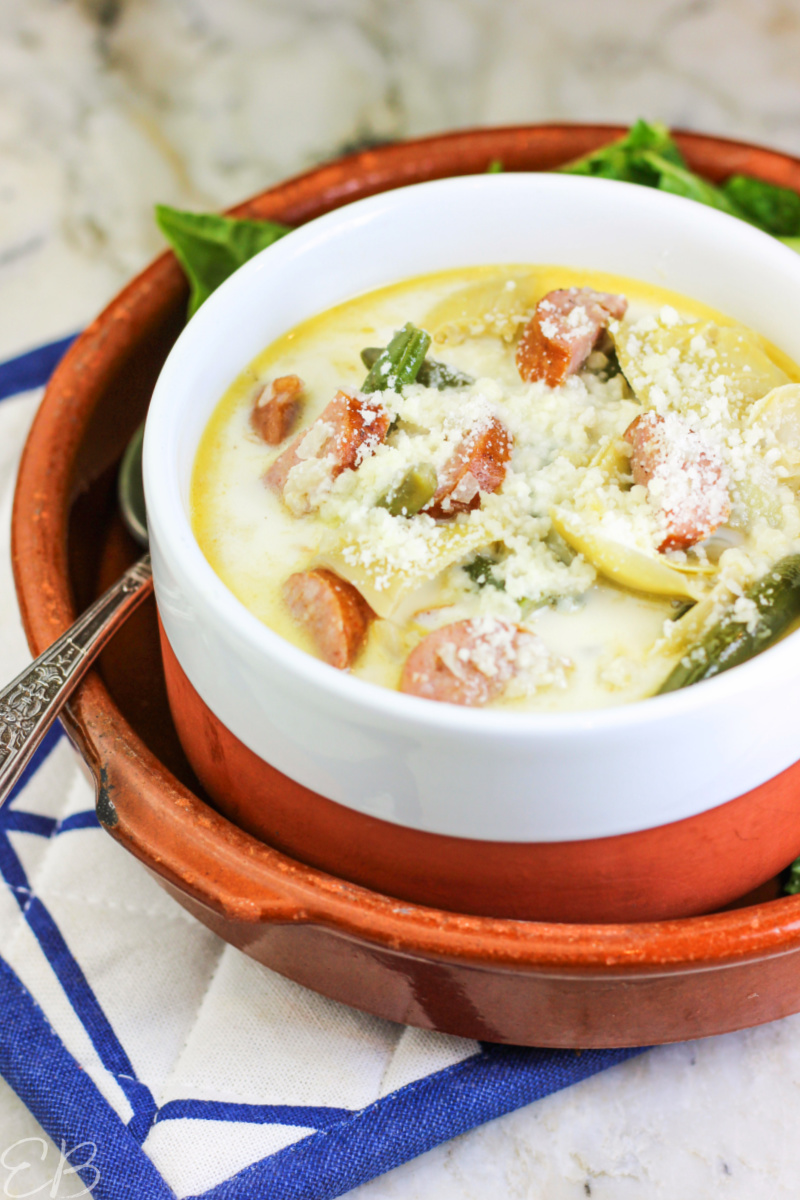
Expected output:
(477, 465)
(684, 476)
(333, 612)
(562, 333)
(276, 408)
(347, 431)
(468, 662)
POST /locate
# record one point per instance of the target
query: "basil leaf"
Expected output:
(774, 209)
(210, 247)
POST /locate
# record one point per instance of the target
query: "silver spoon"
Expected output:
(32, 701)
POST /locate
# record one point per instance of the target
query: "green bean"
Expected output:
(730, 642)
(400, 362)
(412, 493)
(431, 374)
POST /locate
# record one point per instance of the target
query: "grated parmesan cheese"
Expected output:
(585, 642)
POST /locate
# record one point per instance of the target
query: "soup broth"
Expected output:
(585, 476)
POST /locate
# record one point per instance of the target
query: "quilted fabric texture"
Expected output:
(166, 1062)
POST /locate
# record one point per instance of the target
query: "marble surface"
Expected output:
(107, 106)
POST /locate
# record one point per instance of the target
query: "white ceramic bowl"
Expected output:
(489, 775)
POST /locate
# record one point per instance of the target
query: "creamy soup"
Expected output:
(544, 495)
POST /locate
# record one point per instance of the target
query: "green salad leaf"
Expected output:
(792, 884)
(626, 158)
(210, 247)
(682, 182)
(648, 155)
(774, 209)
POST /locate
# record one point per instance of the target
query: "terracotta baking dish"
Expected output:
(504, 980)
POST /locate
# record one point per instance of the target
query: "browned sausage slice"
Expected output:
(347, 431)
(276, 408)
(468, 662)
(333, 612)
(563, 331)
(477, 465)
(684, 476)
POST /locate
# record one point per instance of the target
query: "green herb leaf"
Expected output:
(776, 210)
(479, 570)
(210, 247)
(495, 167)
(792, 242)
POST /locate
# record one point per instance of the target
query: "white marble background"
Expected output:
(107, 106)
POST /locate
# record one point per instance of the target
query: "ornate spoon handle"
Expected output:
(32, 701)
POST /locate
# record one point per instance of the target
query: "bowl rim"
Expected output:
(172, 529)
(163, 822)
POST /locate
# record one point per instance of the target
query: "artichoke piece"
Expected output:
(779, 411)
(624, 564)
(613, 458)
(689, 626)
(757, 496)
(753, 499)
(386, 565)
(412, 493)
(679, 360)
(498, 306)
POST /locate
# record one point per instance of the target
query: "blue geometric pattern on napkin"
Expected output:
(348, 1146)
